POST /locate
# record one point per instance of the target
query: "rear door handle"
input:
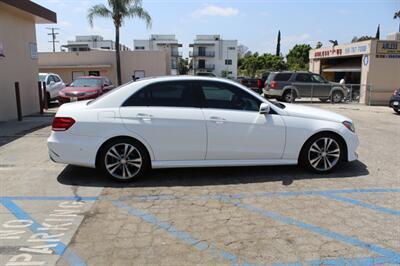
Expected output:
(144, 117)
(217, 119)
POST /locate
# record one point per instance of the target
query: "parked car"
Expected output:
(290, 85)
(264, 78)
(196, 122)
(205, 74)
(251, 83)
(54, 85)
(395, 101)
(84, 88)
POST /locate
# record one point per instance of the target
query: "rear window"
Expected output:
(282, 76)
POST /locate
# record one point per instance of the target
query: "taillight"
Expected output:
(273, 84)
(259, 83)
(62, 123)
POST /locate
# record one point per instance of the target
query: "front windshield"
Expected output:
(86, 83)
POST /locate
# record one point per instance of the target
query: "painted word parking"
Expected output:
(38, 238)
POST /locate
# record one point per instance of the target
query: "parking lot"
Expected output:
(66, 215)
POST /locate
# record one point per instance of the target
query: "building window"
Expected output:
(231, 48)
(228, 61)
(139, 47)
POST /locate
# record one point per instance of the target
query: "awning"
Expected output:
(343, 68)
(74, 66)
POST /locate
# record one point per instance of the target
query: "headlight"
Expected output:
(349, 125)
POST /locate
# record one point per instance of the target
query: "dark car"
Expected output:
(251, 83)
(291, 85)
(395, 101)
(85, 88)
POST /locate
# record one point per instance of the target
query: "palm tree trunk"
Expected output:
(118, 58)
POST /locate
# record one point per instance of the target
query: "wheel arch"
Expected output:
(285, 89)
(326, 132)
(146, 147)
(337, 89)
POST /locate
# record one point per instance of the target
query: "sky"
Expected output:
(254, 23)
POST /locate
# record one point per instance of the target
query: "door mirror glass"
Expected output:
(264, 108)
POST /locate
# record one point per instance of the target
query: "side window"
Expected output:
(303, 77)
(225, 96)
(169, 94)
(282, 76)
(50, 79)
(317, 79)
(56, 79)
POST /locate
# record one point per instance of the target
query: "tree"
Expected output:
(397, 15)
(183, 66)
(242, 50)
(319, 45)
(278, 44)
(378, 33)
(298, 57)
(118, 11)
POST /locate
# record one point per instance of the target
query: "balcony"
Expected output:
(204, 66)
(202, 53)
(175, 53)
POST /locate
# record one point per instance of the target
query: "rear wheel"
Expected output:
(289, 96)
(322, 153)
(337, 96)
(123, 159)
(397, 110)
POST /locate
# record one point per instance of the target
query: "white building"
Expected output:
(92, 42)
(212, 54)
(162, 42)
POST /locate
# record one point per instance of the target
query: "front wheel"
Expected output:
(337, 96)
(396, 110)
(322, 153)
(123, 159)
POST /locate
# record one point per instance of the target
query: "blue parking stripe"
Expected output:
(184, 236)
(73, 198)
(361, 204)
(369, 261)
(318, 230)
(60, 249)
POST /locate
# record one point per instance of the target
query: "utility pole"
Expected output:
(53, 36)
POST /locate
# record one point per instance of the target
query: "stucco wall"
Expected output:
(16, 32)
(154, 63)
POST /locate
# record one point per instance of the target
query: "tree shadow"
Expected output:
(87, 177)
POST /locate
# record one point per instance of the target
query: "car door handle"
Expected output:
(217, 119)
(144, 117)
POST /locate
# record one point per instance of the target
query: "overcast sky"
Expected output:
(254, 23)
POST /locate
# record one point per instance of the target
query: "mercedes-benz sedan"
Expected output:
(196, 122)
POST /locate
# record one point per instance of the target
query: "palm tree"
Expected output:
(118, 11)
(397, 15)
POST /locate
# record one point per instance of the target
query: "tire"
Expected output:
(315, 157)
(123, 159)
(324, 100)
(396, 110)
(48, 98)
(337, 96)
(289, 96)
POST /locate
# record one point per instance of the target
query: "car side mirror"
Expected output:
(264, 108)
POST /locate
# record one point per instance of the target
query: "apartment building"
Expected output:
(158, 42)
(91, 42)
(212, 54)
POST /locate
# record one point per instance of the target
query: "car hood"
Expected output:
(80, 89)
(313, 113)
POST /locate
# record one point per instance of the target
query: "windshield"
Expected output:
(42, 78)
(86, 83)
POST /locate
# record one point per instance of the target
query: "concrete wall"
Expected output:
(154, 63)
(17, 30)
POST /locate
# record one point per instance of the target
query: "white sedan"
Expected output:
(196, 122)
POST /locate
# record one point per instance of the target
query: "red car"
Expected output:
(85, 88)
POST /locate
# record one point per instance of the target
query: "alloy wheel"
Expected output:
(324, 154)
(337, 97)
(123, 161)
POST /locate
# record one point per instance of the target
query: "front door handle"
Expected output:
(144, 117)
(217, 119)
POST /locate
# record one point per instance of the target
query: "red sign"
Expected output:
(326, 53)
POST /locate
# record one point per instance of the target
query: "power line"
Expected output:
(53, 37)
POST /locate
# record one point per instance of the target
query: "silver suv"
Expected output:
(290, 85)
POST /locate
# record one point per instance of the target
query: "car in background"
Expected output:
(54, 84)
(252, 83)
(264, 77)
(290, 85)
(395, 101)
(85, 88)
(194, 121)
(205, 74)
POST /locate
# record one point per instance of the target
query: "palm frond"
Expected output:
(138, 12)
(98, 11)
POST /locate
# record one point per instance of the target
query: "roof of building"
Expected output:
(40, 13)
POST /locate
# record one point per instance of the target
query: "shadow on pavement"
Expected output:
(80, 176)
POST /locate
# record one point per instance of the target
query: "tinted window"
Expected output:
(318, 79)
(225, 96)
(302, 77)
(56, 79)
(172, 94)
(50, 79)
(282, 76)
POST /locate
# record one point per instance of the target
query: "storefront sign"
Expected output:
(355, 49)
(388, 47)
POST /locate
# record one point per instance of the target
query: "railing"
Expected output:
(206, 66)
(202, 53)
